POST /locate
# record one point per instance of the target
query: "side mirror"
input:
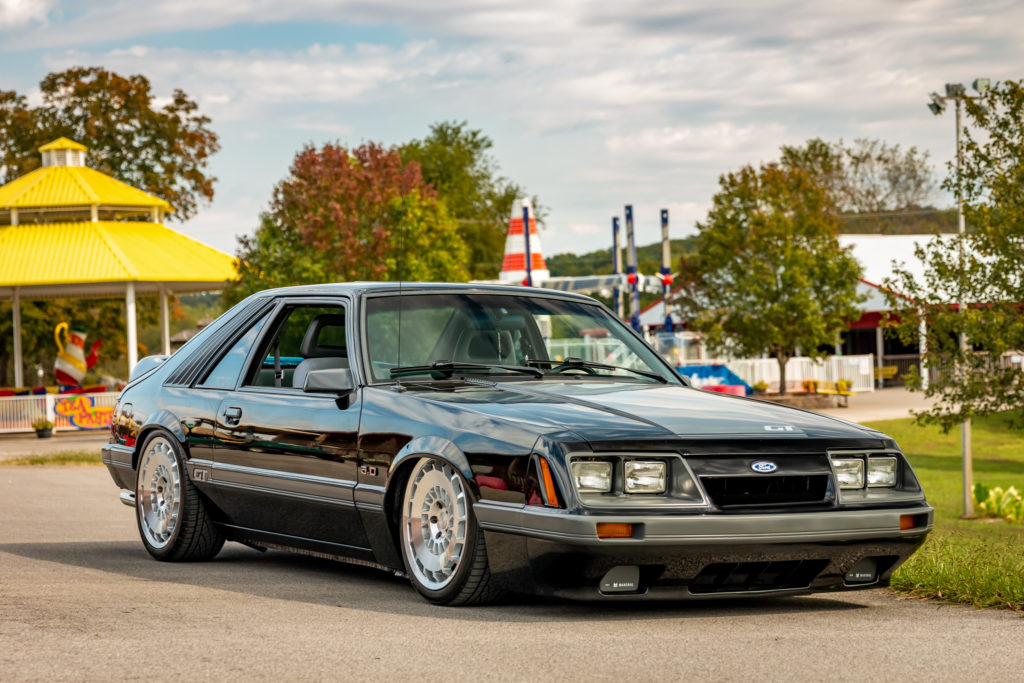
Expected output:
(329, 380)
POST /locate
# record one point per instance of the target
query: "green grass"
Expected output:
(60, 458)
(977, 562)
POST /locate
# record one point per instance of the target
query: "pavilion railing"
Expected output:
(17, 413)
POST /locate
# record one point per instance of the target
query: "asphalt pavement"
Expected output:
(81, 600)
(21, 444)
(890, 403)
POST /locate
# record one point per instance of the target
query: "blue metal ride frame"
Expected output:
(526, 237)
(631, 269)
(666, 268)
(616, 255)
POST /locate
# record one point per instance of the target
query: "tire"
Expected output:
(442, 544)
(173, 522)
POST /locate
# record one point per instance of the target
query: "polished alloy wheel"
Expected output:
(435, 522)
(158, 497)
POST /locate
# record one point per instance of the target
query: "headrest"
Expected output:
(491, 346)
(311, 346)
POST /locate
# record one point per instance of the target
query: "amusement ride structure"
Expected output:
(523, 264)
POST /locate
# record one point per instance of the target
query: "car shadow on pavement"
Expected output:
(290, 576)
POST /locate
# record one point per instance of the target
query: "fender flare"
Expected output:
(432, 446)
(162, 420)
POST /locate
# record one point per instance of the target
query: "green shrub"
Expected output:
(995, 502)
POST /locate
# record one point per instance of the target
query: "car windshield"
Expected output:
(561, 338)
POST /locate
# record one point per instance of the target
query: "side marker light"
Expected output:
(550, 492)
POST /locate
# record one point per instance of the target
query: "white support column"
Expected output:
(154, 214)
(14, 216)
(133, 345)
(922, 332)
(879, 349)
(95, 213)
(165, 323)
(16, 311)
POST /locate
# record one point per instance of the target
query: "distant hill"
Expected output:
(599, 262)
(917, 221)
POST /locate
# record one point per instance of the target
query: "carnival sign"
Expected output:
(83, 413)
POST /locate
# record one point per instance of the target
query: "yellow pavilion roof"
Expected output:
(59, 259)
(55, 186)
(63, 143)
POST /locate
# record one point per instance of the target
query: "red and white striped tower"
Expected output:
(513, 266)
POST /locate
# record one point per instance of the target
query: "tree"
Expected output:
(163, 150)
(981, 379)
(876, 187)
(359, 214)
(768, 275)
(455, 161)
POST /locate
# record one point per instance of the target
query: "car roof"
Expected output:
(360, 288)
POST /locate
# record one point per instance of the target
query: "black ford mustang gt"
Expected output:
(492, 439)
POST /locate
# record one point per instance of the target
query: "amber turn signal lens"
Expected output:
(614, 530)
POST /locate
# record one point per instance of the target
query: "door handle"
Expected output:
(232, 415)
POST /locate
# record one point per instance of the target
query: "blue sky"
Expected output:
(591, 105)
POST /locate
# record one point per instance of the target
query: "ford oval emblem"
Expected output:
(764, 466)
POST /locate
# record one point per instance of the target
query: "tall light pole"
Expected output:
(958, 93)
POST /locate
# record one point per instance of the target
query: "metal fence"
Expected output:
(611, 351)
(17, 413)
(859, 370)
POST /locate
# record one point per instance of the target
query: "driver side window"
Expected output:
(305, 338)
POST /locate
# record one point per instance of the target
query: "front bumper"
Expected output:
(555, 552)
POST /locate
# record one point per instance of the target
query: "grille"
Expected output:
(737, 577)
(762, 491)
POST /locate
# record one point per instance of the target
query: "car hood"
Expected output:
(613, 410)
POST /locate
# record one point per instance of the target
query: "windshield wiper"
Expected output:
(573, 362)
(443, 369)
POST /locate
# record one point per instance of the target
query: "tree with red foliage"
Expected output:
(350, 214)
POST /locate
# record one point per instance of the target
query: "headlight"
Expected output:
(849, 472)
(881, 472)
(645, 476)
(592, 476)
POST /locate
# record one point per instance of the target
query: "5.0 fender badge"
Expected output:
(764, 466)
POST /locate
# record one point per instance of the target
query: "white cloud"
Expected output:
(324, 125)
(232, 84)
(591, 103)
(19, 13)
(220, 225)
(694, 144)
